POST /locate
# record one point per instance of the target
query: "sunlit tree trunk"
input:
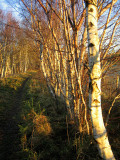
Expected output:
(99, 130)
(3, 72)
(57, 69)
(26, 59)
(4, 59)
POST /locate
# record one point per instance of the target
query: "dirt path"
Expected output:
(10, 141)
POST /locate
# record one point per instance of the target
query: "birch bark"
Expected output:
(4, 59)
(99, 130)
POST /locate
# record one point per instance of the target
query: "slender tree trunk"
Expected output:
(99, 130)
(57, 69)
(4, 58)
(3, 71)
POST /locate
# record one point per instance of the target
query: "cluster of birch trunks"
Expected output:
(70, 58)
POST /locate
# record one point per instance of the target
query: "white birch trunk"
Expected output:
(4, 59)
(3, 71)
(57, 70)
(99, 130)
(26, 58)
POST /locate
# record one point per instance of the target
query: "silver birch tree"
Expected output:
(99, 130)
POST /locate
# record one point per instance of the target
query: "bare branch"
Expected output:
(107, 119)
(106, 7)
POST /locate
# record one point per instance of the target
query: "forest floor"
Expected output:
(34, 126)
(10, 102)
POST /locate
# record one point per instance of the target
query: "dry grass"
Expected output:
(41, 125)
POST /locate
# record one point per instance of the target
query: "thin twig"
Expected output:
(117, 97)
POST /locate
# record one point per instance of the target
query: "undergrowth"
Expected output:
(47, 133)
(45, 130)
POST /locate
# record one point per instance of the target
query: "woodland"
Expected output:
(60, 80)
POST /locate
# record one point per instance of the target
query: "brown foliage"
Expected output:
(41, 124)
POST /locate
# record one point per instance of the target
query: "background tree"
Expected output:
(18, 53)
